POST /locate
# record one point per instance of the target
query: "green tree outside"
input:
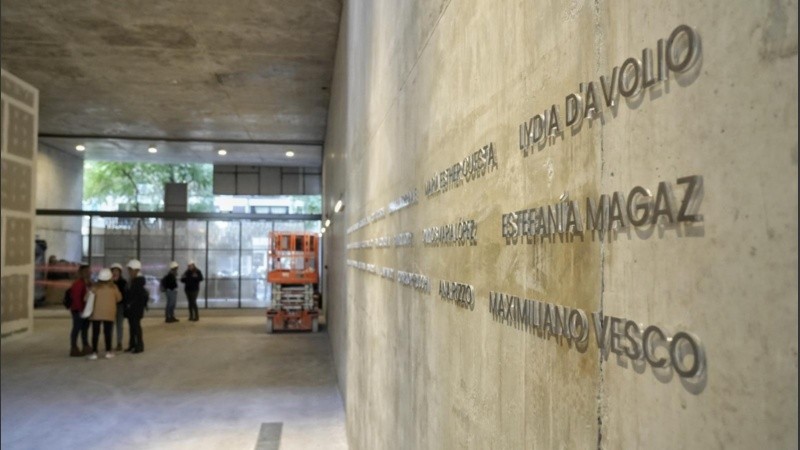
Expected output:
(140, 186)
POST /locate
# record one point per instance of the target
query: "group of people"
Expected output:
(116, 299)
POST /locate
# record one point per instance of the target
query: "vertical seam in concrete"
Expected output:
(601, 367)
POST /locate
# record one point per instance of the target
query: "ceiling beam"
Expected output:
(294, 142)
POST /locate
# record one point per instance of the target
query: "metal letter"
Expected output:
(698, 354)
(648, 78)
(646, 206)
(608, 89)
(648, 348)
(591, 109)
(573, 110)
(555, 122)
(624, 76)
(666, 196)
(692, 198)
(692, 48)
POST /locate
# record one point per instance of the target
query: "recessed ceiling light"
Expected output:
(80, 148)
(322, 230)
(222, 152)
(152, 150)
(338, 206)
(290, 154)
(327, 223)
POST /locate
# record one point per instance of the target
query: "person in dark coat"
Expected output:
(169, 284)
(135, 305)
(191, 285)
(122, 285)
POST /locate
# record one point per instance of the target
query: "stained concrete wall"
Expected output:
(59, 184)
(19, 103)
(420, 85)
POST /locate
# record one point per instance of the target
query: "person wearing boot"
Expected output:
(136, 304)
(78, 290)
(191, 285)
(122, 285)
(106, 298)
(169, 284)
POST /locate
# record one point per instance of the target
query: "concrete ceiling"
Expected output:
(198, 75)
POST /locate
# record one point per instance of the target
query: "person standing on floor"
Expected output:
(191, 285)
(106, 298)
(169, 284)
(136, 300)
(122, 285)
(77, 294)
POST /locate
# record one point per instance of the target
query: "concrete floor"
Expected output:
(207, 384)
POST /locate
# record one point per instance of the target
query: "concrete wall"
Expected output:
(420, 85)
(59, 185)
(19, 103)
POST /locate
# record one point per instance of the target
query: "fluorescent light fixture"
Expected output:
(290, 154)
(338, 206)
(152, 150)
(222, 152)
(327, 223)
(80, 148)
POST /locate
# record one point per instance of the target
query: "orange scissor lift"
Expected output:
(293, 274)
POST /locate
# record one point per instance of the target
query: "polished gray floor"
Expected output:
(207, 384)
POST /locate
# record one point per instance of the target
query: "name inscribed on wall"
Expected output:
(474, 165)
(638, 207)
(461, 294)
(459, 233)
(677, 55)
(683, 351)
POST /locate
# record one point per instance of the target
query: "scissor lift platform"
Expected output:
(293, 274)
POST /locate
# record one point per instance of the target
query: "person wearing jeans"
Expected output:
(122, 285)
(191, 285)
(77, 293)
(169, 284)
(106, 298)
(136, 300)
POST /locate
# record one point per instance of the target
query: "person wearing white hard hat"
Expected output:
(106, 297)
(122, 285)
(169, 285)
(136, 299)
(191, 285)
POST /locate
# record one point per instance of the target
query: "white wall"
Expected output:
(59, 186)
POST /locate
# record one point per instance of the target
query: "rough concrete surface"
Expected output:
(420, 85)
(209, 384)
(192, 69)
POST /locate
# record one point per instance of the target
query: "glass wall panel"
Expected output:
(190, 245)
(233, 255)
(256, 291)
(223, 264)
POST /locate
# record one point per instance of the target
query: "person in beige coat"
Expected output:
(106, 297)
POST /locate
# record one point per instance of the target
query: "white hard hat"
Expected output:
(134, 264)
(116, 266)
(173, 265)
(104, 275)
(191, 262)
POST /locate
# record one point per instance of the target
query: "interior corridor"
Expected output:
(208, 384)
